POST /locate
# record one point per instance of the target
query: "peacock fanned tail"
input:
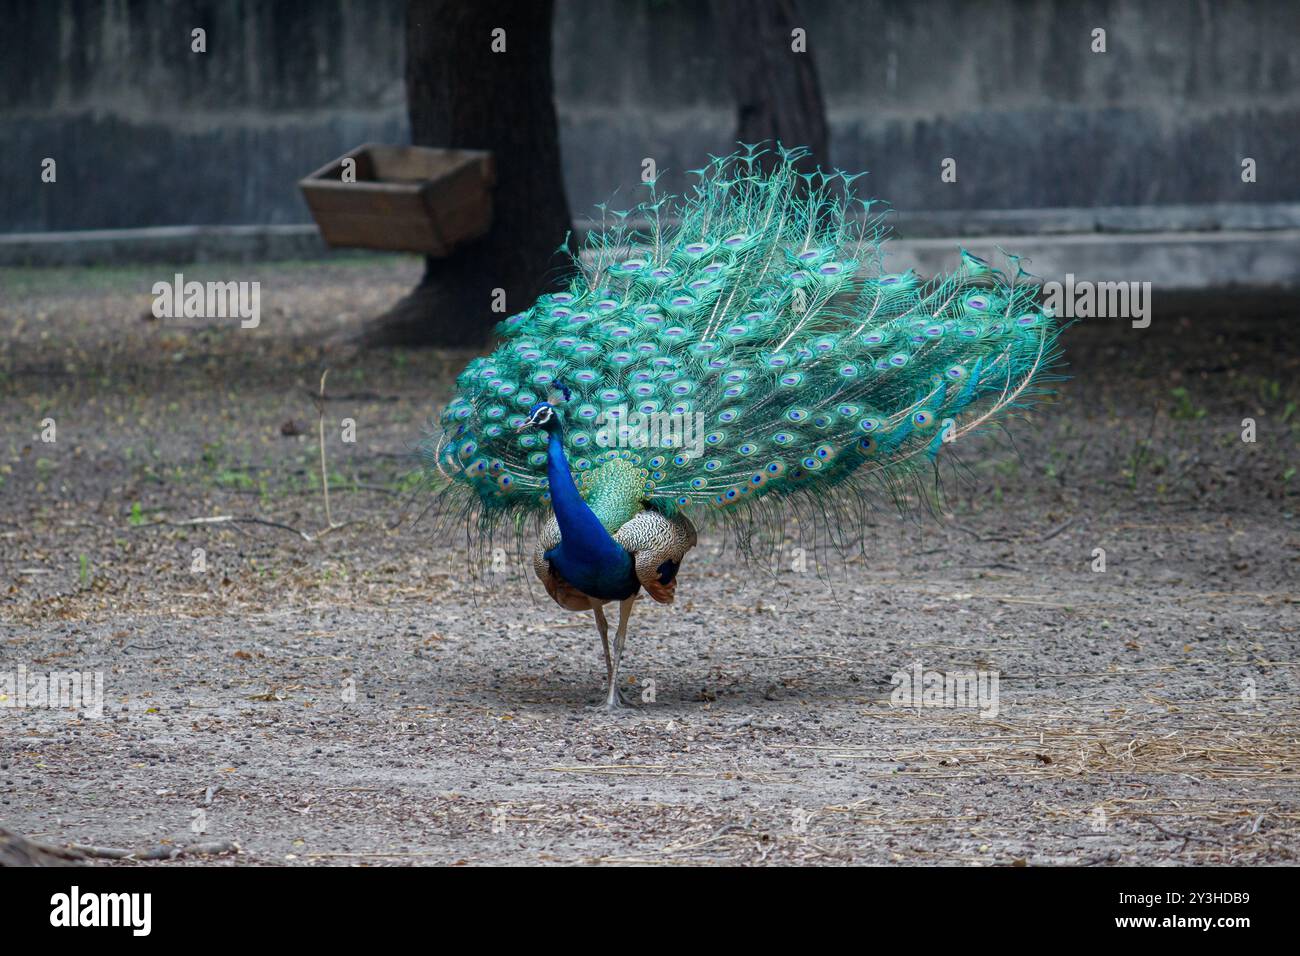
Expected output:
(755, 306)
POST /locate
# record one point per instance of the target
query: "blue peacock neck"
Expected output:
(581, 533)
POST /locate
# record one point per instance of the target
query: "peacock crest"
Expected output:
(737, 351)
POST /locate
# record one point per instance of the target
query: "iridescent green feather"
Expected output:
(757, 303)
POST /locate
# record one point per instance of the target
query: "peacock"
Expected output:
(729, 355)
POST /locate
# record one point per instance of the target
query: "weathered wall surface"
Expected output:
(145, 132)
(148, 133)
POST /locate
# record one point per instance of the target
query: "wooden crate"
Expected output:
(406, 198)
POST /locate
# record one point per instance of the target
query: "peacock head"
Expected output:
(543, 415)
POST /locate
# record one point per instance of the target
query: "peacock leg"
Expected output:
(615, 699)
(603, 627)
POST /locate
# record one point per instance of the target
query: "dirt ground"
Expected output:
(369, 697)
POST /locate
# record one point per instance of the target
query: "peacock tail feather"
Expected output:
(768, 357)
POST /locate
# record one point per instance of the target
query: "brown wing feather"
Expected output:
(653, 538)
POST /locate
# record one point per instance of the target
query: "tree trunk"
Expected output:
(17, 850)
(776, 88)
(460, 93)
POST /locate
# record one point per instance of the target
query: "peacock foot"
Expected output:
(617, 703)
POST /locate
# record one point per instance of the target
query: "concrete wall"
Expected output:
(147, 133)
